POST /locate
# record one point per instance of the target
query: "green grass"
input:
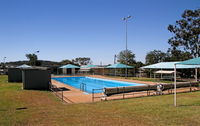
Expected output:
(43, 108)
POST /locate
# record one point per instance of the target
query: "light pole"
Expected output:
(126, 22)
(36, 52)
(115, 56)
(4, 60)
(35, 57)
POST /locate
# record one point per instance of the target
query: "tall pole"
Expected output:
(115, 56)
(175, 85)
(126, 50)
(36, 56)
(126, 23)
(4, 60)
(196, 79)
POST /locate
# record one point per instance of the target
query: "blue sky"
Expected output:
(66, 29)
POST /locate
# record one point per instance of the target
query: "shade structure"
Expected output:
(170, 65)
(194, 62)
(119, 65)
(89, 66)
(69, 66)
(164, 72)
(23, 66)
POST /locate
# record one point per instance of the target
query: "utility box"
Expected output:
(14, 75)
(38, 79)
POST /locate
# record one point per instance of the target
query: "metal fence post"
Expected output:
(92, 95)
(123, 92)
(62, 96)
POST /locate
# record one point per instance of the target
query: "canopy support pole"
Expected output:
(175, 85)
(196, 79)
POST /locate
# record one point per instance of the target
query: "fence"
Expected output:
(147, 90)
(58, 91)
(97, 94)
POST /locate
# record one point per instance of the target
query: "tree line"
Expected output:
(185, 41)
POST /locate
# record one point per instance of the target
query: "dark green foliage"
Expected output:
(187, 32)
(33, 60)
(155, 56)
(178, 55)
(82, 61)
(63, 62)
(126, 57)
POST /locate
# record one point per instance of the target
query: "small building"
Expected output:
(15, 74)
(37, 79)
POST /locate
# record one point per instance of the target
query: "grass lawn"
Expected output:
(43, 108)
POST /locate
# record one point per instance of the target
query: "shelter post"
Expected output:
(196, 79)
(175, 85)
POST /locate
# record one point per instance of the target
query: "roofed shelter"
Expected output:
(69, 66)
(169, 66)
(87, 68)
(191, 62)
(119, 66)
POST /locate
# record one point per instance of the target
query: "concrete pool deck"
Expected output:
(73, 95)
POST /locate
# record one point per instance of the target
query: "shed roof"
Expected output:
(23, 66)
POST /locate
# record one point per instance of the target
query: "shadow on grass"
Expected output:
(21, 108)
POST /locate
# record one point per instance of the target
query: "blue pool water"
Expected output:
(93, 83)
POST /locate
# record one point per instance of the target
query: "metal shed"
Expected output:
(15, 74)
(38, 79)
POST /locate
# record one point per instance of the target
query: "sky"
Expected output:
(66, 29)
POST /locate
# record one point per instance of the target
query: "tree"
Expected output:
(33, 60)
(126, 57)
(64, 62)
(187, 32)
(178, 55)
(155, 56)
(82, 60)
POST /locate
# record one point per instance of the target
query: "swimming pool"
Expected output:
(93, 83)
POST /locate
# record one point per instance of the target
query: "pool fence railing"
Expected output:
(147, 89)
(58, 91)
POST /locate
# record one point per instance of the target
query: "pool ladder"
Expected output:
(83, 87)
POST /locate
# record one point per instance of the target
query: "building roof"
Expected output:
(169, 65)
(23, 66)
(69, 66)
(119, 65)
(89, 66)
(195, 61)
